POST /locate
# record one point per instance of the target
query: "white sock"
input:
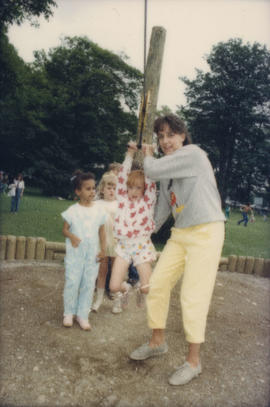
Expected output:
(126, 286)
(99, 298)
(100, 294)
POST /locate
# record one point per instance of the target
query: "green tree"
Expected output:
(13, 80)
(163, 111)
(82, 104)
(16, 11)
(228, 115)
(13, 74)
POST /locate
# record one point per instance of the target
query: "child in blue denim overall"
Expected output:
(85, 247)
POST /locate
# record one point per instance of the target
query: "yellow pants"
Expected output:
(193, 252)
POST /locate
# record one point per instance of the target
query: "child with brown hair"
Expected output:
(188, 191)
(108, 202)
(136, 196)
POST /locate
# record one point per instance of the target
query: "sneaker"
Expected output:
(185, 374)
(117, 308)
(68, 320)
(145, 351)
(96, 305)
(84, 324)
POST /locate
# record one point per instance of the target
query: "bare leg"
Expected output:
(117, 283)
(158, 338)
(101, 281)
(193, 356)
(103, 270)
(119, 272)
(145, 271)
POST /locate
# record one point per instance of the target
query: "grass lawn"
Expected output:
(40, 217)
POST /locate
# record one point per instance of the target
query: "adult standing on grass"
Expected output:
(16, 192)
(187, 190)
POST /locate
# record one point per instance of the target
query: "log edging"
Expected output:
(38, 248)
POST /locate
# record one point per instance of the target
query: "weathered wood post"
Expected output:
(30, 248)
(20, 248)
(11, 247)
(232, 263)
(3, 245)
(151, 85)
(40, 248)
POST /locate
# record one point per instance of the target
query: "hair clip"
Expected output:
(72, 178)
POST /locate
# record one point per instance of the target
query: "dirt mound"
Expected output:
(44, 364)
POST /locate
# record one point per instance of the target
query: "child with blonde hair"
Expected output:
(114, 167)
(107, 201)
(136, 196)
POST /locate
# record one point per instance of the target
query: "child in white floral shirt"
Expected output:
(134, 224)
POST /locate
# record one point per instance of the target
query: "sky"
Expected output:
(192, 27)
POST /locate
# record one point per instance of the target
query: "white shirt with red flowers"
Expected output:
(134, 219)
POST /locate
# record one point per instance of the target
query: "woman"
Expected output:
(187, 190)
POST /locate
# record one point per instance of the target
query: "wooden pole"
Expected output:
(151, 85)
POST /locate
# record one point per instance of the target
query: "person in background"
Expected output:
(114, 167)
(3, 182)
(227, 212)
(16, 192)
(245, 209)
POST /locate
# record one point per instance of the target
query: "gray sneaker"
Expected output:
(185, 374)
(145, 351)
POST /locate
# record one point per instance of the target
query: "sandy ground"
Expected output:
(45, 364)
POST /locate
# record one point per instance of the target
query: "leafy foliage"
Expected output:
(16, 11)
(75, 109)
(228, 115)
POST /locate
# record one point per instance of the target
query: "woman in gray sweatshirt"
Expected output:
(188, 190)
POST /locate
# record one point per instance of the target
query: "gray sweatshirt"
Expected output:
(188, 188)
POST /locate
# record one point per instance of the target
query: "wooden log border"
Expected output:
(37, 248)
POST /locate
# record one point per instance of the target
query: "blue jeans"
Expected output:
(15, 200)
(245, 219)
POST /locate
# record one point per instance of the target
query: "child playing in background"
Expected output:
(136, 196)
(114, 167)
(108, 203)
(85, 246)
(245, 210)
(227, 212)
